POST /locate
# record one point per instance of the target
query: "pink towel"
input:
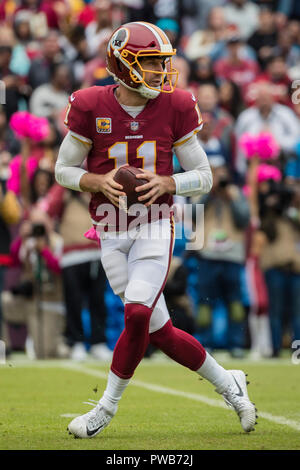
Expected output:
(93, 235)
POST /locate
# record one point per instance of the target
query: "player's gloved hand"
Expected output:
(157, 186)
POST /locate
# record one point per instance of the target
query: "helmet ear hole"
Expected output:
(119, 65)
(152, 44)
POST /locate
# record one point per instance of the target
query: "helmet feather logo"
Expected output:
(120, 39)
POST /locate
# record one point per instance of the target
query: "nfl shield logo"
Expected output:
(134, 126)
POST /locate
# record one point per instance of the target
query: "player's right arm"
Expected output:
(74, 150)
(68, 171)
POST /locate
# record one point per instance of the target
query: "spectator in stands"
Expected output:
(50, 54)
(230, 98)
(51, 13)
(276, 75)
(293, 28)
(84, 280)
(95, 69)
(8, 142)
(222, 122)
(50, 99)
(288, 9)
(264, 39)
(77, 53)
(10, 79)
(292, 167)
(86, 14)
(203, 72)
(33, 193)
(242, 71)
(204, 42)
(184, 72)
(276, 118)
(286, 47)
(97, 29)
(154, 11)
(20, 37)
(37, 299)
(280, 259)
(258, 175)
(48, 147)
(21, 27)
(244, 15)
(36, 153)
(7, 10)
(222, 258)
(202, 12)
(10, 213)
(210, 143)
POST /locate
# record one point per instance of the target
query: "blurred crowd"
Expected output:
(241, 290)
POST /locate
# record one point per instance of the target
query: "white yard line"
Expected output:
(192, 396)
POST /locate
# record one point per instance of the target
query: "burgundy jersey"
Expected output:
(145, 141)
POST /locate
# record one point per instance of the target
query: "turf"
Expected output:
(35, 396)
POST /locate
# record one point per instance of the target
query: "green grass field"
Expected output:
(166, 407)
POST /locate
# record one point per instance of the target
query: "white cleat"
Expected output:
(236, 397)
(90, 424)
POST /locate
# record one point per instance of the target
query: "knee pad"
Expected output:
(160, 315)
(140, 292)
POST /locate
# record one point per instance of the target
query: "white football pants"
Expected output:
(137, 263)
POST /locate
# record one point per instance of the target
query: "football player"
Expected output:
(140, 121)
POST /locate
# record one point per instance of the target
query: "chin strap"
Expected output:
(147, 92)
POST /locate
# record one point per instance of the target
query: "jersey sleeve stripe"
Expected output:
(186, 137)
(81, 138)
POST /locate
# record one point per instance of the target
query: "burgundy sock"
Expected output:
(133, 342)
(179, 346)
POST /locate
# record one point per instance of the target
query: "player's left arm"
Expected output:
(195, 180)
(197, 176)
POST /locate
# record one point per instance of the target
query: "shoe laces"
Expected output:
(97, 415)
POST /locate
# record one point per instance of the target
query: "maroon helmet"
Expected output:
(133, 41)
